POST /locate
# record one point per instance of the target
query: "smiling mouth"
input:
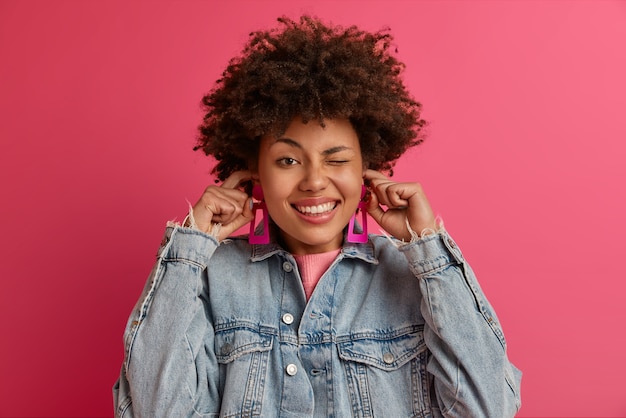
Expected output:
(316, 210)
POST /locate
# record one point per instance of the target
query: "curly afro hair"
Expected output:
(317, 72)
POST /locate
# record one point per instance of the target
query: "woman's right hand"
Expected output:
(227, 205)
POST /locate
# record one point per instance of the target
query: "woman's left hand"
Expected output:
(403, 201)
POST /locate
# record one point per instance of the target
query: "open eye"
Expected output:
(287, 161)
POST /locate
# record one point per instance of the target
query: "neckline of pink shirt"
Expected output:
(312, 267)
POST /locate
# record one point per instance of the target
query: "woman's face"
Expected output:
(311, 178)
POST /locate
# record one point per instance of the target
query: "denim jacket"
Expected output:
(391, 330)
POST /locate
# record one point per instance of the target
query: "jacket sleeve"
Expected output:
(472, 374)
(167, 372)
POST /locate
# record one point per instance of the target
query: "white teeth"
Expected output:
(314, 210)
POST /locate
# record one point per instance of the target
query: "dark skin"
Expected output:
(391, 204)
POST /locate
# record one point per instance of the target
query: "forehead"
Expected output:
(313, 136)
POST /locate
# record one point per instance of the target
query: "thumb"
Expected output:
(374, 209)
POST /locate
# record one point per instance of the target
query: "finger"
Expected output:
(379, 184)
(374, 175)
(235, 197)
(221, 211)
(244, 218)
(374, 178)
(217, 193)
(236, 178)
(219, 205)
(380, 189)
(397, 195)
(373, 208)
(226, 209)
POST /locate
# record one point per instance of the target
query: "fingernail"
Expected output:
(251, 204)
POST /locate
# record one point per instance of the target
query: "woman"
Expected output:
(309, 315)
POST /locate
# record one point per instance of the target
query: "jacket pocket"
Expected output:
(242, 353)
(386, 374)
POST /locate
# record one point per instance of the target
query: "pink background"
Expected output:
(99, 103)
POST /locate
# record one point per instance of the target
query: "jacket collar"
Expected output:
(363, 251)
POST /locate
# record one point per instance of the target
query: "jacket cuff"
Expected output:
(190, 222)
(431, 253)
(180, 243)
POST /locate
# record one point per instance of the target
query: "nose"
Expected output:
(315, 179)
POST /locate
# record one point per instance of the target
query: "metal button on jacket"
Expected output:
(287, 266)
(226, 349)
(292, 369)
(388, 358)
(288, 318)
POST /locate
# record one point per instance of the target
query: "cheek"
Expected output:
(351, 191)
(353, 182)
(271, 191)
(276, 191)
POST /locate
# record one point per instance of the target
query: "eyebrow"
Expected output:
(326, 152)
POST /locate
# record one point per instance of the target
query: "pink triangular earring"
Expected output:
(354, 236)
(264, 238)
